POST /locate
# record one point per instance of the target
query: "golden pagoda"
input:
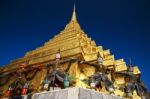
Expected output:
(72, 52)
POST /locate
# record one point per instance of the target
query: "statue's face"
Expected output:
(100, 60)
(130, 69)
(138, 76)
(57, 55)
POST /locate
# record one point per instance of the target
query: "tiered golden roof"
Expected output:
(71, 41)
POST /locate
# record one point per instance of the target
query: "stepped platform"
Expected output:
(69, 93)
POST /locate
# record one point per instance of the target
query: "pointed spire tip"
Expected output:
(74, 18)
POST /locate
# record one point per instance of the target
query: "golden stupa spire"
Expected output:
(74, 18)
(73, 24)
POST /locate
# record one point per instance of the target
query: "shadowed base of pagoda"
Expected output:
(69, 93)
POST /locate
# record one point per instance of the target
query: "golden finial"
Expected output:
(74, 18)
